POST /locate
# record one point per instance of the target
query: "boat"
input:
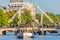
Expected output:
(19, 33)
(26, 32)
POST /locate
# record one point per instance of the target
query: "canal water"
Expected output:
(49, 36)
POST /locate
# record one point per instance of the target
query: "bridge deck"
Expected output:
(29, 28)
(42, 29)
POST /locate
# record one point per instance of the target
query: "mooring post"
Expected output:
(4, 32)
(15, 32)
(39, 32)
(43, 32)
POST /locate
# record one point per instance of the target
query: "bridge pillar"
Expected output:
(43, 32)
(15, 32)
(40, 32)
(4, 32)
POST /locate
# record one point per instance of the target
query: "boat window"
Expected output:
(29, 31)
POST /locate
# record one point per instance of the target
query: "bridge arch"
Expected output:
(4, 30)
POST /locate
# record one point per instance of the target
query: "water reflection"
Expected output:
(11, 36)
(27, 38)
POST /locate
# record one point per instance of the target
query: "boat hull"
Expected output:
(28, 34)
(20, 35)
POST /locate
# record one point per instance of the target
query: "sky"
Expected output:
(47, 5)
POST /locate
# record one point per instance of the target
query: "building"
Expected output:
(20, 4)
(15, 4)
(16, 1)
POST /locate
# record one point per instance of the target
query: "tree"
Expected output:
(10, 14)
(26, 16)
(53, 16)
(3, 18)
(38, 16)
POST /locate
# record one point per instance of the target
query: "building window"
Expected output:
(20, 0)
(15, 5)
(20, 5)
(16, 0)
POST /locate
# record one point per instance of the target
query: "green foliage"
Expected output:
(54, 17)
(26, 16)
(10, 14)
(3, 18)
(59, 18)
(38, 16)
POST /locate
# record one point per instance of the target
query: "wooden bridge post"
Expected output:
(42, 32)
(4, 32)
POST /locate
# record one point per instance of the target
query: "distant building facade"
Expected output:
(15, 4)
(20, 4)
(16, 1)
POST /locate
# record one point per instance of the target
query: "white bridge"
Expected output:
(6, 29)
(15, 29)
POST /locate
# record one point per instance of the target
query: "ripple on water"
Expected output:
(36, 37)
